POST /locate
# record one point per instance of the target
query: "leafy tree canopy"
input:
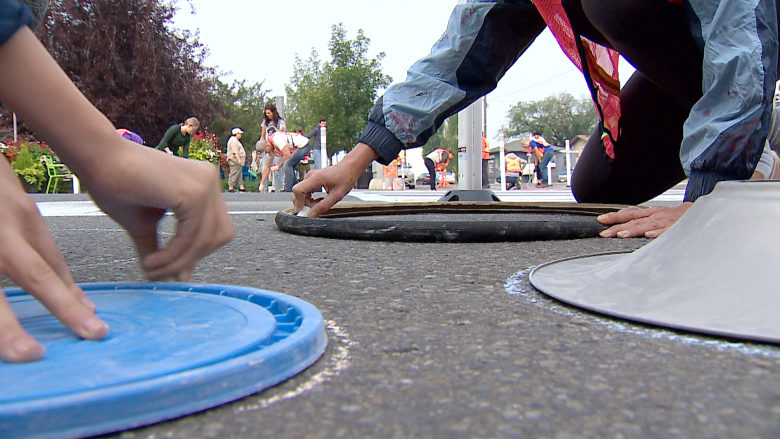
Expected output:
(558, 117)
(341, 90)
(445, 138)
(131, 64)
(243, 103)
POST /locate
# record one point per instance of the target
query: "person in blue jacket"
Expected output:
(136, 194)
(698, 105)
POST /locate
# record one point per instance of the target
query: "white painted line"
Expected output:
(253, 212)
(560, 196)
(69, 208)
(89, 208)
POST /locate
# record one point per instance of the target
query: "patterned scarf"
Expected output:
(599, 64)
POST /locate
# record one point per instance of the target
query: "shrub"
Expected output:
(203, 147)
(25, 158)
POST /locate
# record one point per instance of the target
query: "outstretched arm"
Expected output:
(482, 41)
(165, 142)
(285, 156)
(136, 195)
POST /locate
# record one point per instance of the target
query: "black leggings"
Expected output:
(655, 37)
(431, 171)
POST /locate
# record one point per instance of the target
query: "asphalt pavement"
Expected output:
(448, 340)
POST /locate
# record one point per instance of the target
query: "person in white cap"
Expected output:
(236, 155)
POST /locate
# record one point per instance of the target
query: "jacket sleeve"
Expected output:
(185, 149)
(165, 142)
(725, 133)
(482, 41)
(232, 151)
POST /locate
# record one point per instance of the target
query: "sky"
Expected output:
(257, 40)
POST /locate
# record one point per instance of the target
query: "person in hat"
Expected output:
(236, 155)
(545, 153)
(290, 179)
(437, 160)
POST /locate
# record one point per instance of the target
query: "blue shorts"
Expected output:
(13, 15)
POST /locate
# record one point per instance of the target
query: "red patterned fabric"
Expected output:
(602, 64)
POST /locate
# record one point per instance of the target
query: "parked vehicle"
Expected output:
(406, 173)
(424, 179)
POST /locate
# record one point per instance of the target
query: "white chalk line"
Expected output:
(337, 363)
(519, 285)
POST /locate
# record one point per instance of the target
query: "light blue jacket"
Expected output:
(726, 130)
(723, 136)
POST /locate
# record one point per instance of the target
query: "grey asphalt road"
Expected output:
(451, 341)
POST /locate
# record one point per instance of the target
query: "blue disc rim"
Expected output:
(298, 342)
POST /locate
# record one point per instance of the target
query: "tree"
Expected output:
(243, 106)
(445, 138)
(131, 64)
(342, 90)
(558, 117)
(307, 94)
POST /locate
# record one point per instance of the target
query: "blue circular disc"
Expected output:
(173, 349)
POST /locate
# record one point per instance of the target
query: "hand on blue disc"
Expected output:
(29, 257)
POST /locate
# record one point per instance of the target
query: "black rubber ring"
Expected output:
(566, 221)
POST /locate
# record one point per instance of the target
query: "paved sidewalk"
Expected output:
(450, 341)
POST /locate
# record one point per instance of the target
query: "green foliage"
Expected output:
(341, 90)
(558, 117)
(204, 146)
(243, 104)
(28, 168)
(26, 161)
(445, 138)
(131, 63)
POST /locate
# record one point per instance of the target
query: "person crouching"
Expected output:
(281, 144)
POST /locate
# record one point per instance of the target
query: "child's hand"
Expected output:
(137, 194)
(135, 188)
(29, 257)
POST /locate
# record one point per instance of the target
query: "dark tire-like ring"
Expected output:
(451, 221)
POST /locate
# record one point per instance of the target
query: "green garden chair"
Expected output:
(57, 172)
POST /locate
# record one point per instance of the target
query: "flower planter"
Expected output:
(29, 188)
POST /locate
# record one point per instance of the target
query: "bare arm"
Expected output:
(36, 88)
